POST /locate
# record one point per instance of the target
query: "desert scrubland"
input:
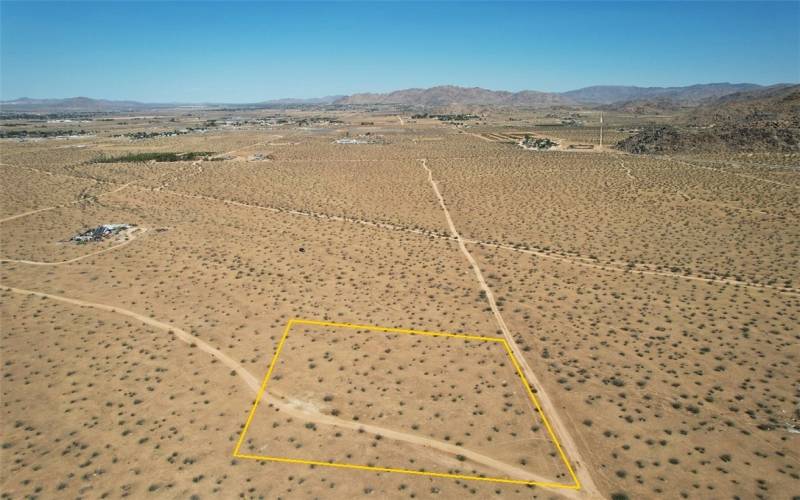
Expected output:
(655, 298)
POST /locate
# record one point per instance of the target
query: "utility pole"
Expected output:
(601, 130)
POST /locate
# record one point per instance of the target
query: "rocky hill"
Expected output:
(778, 105)
(760, 120)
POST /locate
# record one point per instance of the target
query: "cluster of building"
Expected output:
(537, 143)
(138, 136)
(368, 138)
(261, 157)
(349, 140)
(100, 233)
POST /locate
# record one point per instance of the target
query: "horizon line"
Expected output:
(267, 100)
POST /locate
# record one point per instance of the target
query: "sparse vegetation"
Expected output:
(155, 156)
(653, 296)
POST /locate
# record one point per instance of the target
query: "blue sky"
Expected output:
(246, 52)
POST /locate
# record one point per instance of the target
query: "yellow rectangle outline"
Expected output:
(297, 321)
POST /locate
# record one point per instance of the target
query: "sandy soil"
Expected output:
(652, 303)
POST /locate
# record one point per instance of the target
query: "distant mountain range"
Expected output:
(441, 96)
(449, 95)
(304, 102)
(76, 104)
(693, 94)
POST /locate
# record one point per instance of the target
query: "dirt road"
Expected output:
(133, 236)
(303, 411)
(628, 171)
(95, 197)
(737, 174)
(87, 199)
(549, 413)
(451, 451)
(576, 260)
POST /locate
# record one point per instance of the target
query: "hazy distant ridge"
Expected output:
(77, 104)
(445, 95)
(693, 94)
(607, 94)
(451, 95)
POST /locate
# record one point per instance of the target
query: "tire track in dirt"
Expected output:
(578, 261)
(94, 197)
(130, 240)
(723, 171)
(299, 411)
(88, 199)
(549, 412)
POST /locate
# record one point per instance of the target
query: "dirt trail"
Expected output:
(24, 214)
(87, 199)
(313, 215)
(260, 143)
(51, 174)
(580, 261)
(134, 236)
(722, 170)
(479, 136)
(302, 411)
(549, 410)
(690, 199)
(298, 409)
(95, 197)
(586, 262)
(628, 171)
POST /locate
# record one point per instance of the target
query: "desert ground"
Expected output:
(652, 304)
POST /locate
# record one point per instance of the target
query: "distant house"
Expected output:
(99, 233)
(350, 141)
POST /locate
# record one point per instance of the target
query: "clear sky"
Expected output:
(247, 52)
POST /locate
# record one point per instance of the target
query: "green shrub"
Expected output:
(159, 157)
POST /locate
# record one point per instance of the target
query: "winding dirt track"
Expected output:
(549, 410)
(585, 262)
(579, 261)
(95, 197)
(24, 214)
(130, 240)
(313, 215)
(88, 198)
(628, 172)
(301, 411)
(737, 174)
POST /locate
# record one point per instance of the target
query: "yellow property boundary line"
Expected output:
(296, 321)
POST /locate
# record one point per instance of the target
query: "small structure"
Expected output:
(538, 144)
(366, 138)
(347, 140)
(100, 233)
(261, 157)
